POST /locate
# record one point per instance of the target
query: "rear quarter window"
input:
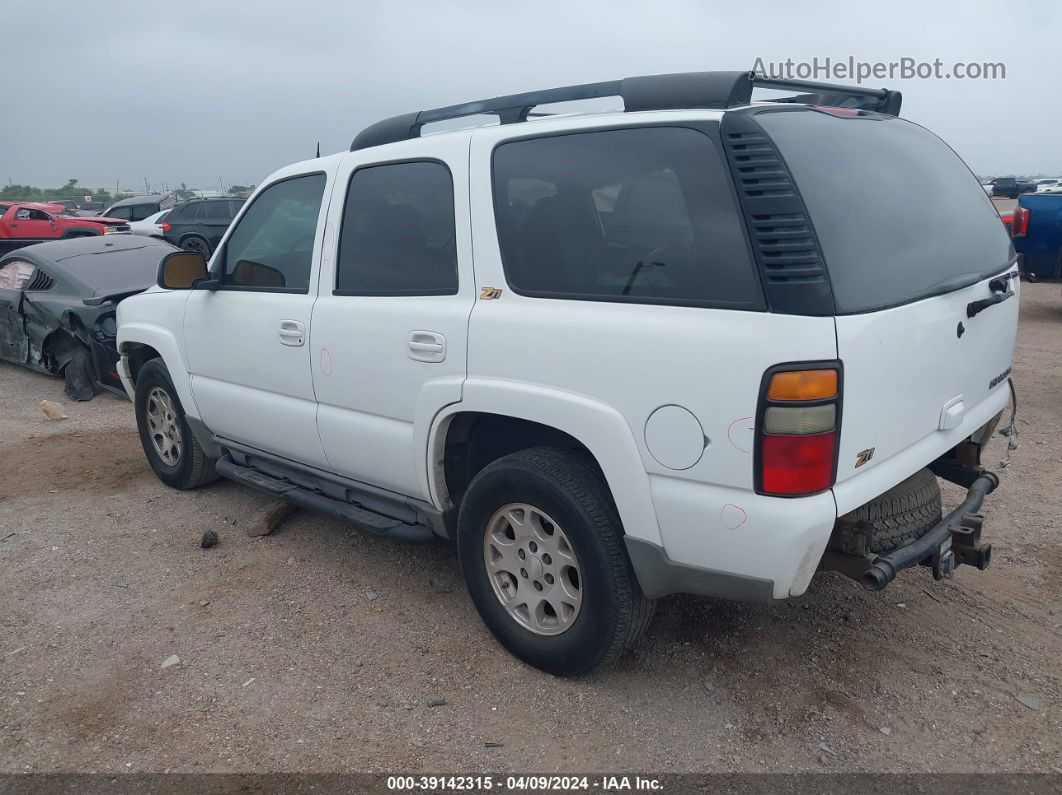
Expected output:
(898, 215)
(633, 215)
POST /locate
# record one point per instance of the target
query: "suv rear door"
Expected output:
(390, 325)
(910, 241)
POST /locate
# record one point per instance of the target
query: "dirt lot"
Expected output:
(317, 649)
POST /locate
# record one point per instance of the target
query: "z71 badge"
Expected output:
(864, 456)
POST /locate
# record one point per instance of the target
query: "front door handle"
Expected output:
(292, 332)
(426, 346)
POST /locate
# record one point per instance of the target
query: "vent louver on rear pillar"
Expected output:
(40, 281)
(783, 240)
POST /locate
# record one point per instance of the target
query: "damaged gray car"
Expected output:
(57, 305)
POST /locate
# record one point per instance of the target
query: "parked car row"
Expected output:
(58, 302)
(197, 225)
(26, 223)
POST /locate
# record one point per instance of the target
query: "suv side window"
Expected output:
(398, 235)
(216, 211)
(139, 212)
(642, 214)
(187, 212)
(120, 212)
(271, 248)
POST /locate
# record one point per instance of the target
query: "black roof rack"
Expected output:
(715, 90)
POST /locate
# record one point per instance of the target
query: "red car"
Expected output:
(25, 223)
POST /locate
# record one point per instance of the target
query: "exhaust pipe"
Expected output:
(875, 574)
(878, 575)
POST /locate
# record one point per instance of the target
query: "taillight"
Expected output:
(165, 228)
(1019, 225)
(797, 429)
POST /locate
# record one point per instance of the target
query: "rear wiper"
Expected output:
(975, 308)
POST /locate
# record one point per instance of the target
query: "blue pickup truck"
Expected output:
(1037, 232)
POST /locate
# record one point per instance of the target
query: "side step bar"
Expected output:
(360, 517)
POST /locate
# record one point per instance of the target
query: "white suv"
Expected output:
(677, 348)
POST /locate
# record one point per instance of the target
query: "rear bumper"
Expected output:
(954, 541)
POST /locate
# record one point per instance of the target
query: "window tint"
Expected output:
(119, 212)
(398, 235)
(141, 211)
(234, 209)
(215, 211)
(898, 215)
(272, 245)
(622, 215)
(184, 212)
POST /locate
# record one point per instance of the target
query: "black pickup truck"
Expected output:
(1010, 187)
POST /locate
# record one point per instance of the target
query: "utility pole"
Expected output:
(222, 186)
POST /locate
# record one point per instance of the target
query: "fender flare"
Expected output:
(602, 429)
(162, 340)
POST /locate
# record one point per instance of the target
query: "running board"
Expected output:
(360, 517)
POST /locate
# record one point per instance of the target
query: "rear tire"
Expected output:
(575, 518)
(899, 517)
(197, 244)
(171, 448)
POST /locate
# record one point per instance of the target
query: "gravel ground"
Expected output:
(318, 649)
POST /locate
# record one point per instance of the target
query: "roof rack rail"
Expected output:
(714, 90)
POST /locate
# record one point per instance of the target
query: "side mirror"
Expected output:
(180, 270)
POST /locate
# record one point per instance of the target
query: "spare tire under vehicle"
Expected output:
(899, 517)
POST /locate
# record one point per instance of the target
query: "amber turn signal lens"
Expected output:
(803, 385)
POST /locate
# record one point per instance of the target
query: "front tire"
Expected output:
(541, 547)
(171, 448)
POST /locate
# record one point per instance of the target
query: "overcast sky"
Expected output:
(231, 89)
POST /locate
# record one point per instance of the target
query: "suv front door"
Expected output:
(390, 326)
(247, 341)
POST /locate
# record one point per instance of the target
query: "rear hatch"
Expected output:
(910, 241)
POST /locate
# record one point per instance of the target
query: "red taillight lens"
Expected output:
(165, 228)
(796, 429)
(1019, 226)
(794, 465)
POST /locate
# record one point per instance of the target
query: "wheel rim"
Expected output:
(533, 569)
(163, 427)
(194, 244)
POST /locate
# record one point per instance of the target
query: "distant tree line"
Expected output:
(73, 190)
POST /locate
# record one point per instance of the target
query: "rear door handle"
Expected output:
(292, 332)
(426, 346)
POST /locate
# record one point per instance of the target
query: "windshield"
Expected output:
(898, 215)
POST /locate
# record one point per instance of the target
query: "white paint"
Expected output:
(641, 386)
(674, 438)
(905, 371)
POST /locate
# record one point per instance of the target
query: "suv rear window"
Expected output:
(898, 215)
(399, 235)
(642, 214)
